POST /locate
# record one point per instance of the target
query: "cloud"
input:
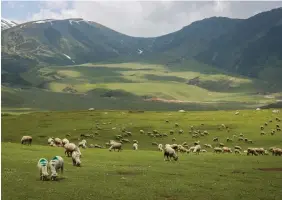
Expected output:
(147, 18)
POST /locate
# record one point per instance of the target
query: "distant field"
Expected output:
(113, 175)
(64, 87)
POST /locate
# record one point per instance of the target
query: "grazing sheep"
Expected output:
(76, 159)
(82, 144)
(207, 145)
(229, 140)
(169, 153)
(260, 151)
(167, 121)
(65, 141)
(125, 140)
(180, 131)
(206, 132)
(278, 129)
(238, 147)
(241, 135)
(135, 146)
(265, 123)
(52, 144)
(250, 141)
(26, 140)
(171, 132)
(252, 151)
(237, 113)
(176, 125)
(221, 144)
(203, 151)
(115, 145)
(55, 164)
(69, 148)
(277, 119)
(42, 165)
(277, 152)
(218, 150)
(262, 133)
(215, 139)
(160, 147)
(191, 149)
(272, 132)
(261, 128)
(50, 140)
(195, 136)
(240, 139)
(141, 131)
(197, 149)
(277, 126)
(58, 142)
(173, 139)
(226, 149)
(237, 151)
(135, 141)
(182, 149)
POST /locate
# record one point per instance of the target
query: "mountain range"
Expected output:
(5, 24)
(249, 48)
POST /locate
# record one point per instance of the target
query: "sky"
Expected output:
(135, 18)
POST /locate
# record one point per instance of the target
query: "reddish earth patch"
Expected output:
(270, 169)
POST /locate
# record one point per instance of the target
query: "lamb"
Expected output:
(160, 147)
(65, 141)
(70, 147)
(135, 146)
(76, 159)
(43, 168)
(26, 140)
(115, 145)
(218, 150)
(170, 153)
(55, 164)
(197, 149)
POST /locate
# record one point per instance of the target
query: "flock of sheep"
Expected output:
(169, 150)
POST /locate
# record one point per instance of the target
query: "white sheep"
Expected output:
(76, 158)
(82, 144)
(70, 147)
(135, 146)
(26, 140)
(43, 168)
(50, 140)
(197, 149)
(65, 141)
(58, 142)
(115, 145)
(55, 164)
(169, 153)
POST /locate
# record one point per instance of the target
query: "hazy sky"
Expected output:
(135, 18)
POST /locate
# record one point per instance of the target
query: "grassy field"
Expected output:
(140, 174)
(68, 84)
